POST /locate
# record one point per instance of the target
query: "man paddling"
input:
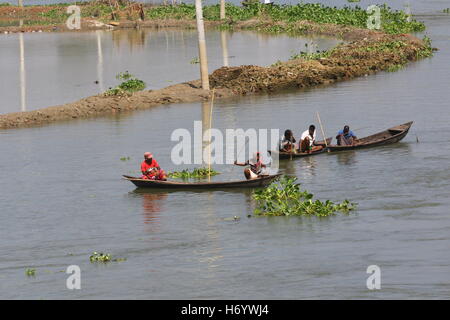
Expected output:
(346, 137)
(255, 169)
(150, 168)
(308, 141)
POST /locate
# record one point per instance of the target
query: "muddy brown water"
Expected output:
(62, 198)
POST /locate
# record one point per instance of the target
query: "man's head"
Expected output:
(148, 157)
(312, 128)
(288, 134)
(346, 129)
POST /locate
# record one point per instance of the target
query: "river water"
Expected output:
(62, 198)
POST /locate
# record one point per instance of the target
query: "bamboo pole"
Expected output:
(321, 128)
(210, 126)
(202, 45)
(222, 9)
(20, 2)
(23, 105)
(223, 37)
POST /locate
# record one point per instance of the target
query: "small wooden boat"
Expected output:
(291, 155)
(252, 183)
(389, 136)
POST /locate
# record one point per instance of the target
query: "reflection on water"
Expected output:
(346, 158)
(153, 204)
(23, 93)
(100, 61)
(130, 38)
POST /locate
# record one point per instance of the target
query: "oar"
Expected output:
(323, 132)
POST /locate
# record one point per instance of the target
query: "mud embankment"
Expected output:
(369, 52)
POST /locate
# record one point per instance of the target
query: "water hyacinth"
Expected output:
(129, 85)
(100, 257)
(391, 21)
(30, 272)
(285, 198)
(196, 173)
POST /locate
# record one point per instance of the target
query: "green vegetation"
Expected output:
(447, 10)
(312, 56)
(100, 257)
(30, 272)
(195, 60)
(392, 21)
(196, 173)
(129, 85)
(284, 198)
(125, 158)
(56, 14)
(104, 257)
(4, 4)
(395, 67)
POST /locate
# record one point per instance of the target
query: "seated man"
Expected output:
(287, 142)
(346, 137)
(255, 169)
(151, 170)
(308, 141)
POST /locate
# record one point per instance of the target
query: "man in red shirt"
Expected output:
(150, 168)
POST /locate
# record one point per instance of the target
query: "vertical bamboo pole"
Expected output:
(321, 128)
(20, 3)
(210, 125)
(99, 60)
(202, 45)
(223, 37)
(222, 9)
(23, 106)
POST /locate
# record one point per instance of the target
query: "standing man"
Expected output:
(151, 170)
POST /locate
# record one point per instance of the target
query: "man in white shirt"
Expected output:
(308, 141)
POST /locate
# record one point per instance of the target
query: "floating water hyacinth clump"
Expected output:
(285, 198)
(104, 257)
(30, 272)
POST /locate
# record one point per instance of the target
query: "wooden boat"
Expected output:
(252, 183)
(389, 136)
(291, 155)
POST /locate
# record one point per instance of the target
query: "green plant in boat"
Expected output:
(285, 198)
(195, 173)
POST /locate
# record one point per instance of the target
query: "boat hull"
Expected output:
(389, 136)
(289, 155)
(253, 183)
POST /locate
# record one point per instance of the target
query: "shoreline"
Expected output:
(366, 53)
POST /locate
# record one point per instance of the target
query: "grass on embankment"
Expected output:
(391, 21)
